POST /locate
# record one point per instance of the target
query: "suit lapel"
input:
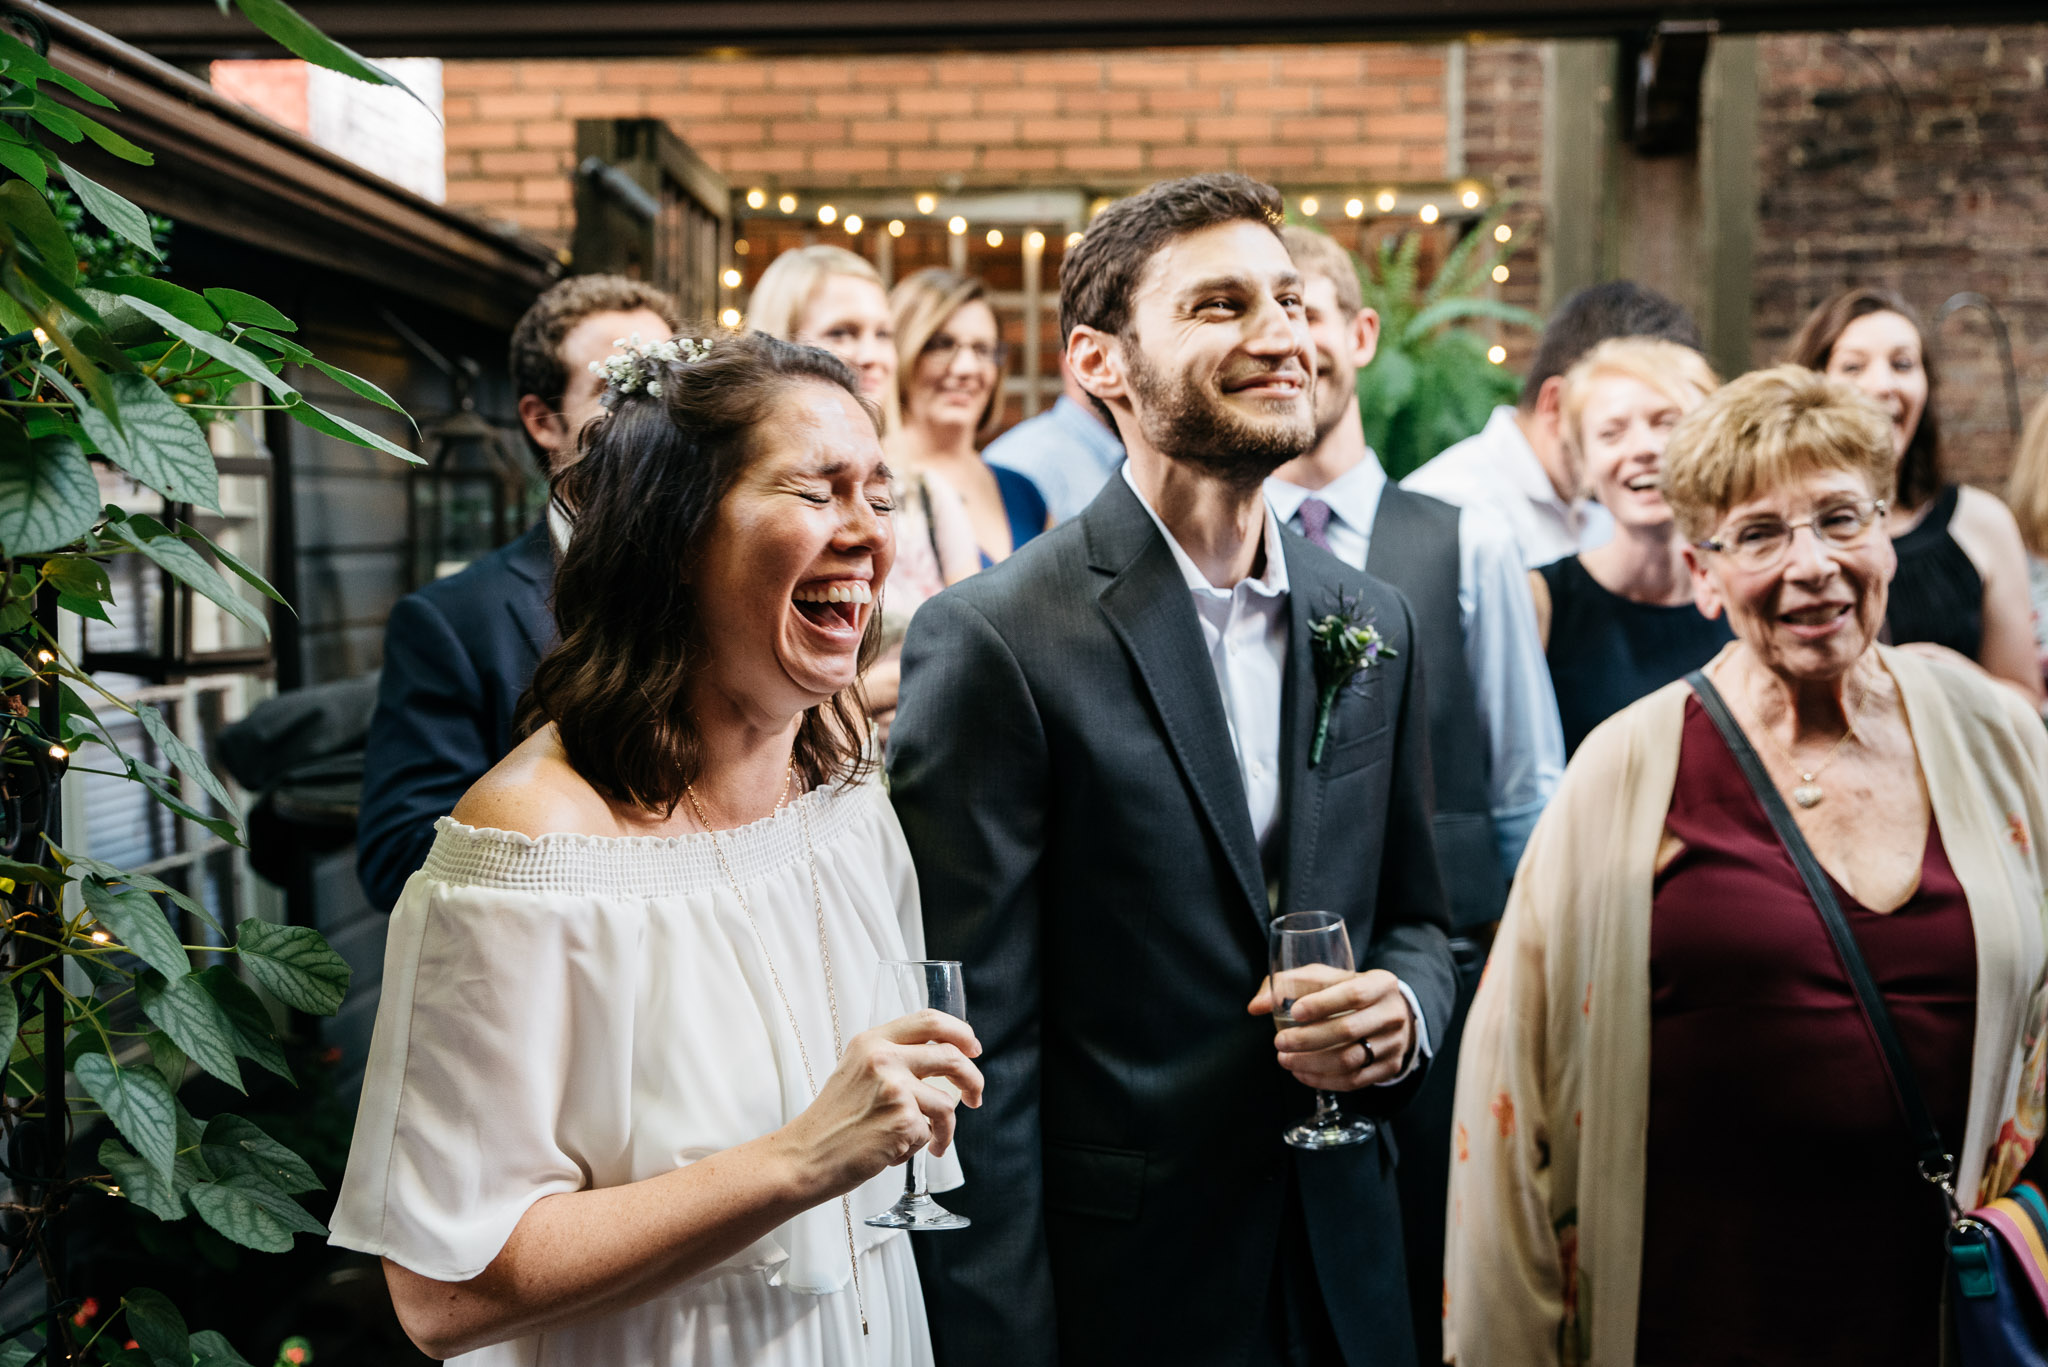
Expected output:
(1301, 806)
(1148, 606)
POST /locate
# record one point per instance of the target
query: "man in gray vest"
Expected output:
(1495, 744)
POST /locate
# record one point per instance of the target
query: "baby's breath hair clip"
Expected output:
(634, 367)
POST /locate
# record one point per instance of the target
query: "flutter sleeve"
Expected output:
(498, 1073)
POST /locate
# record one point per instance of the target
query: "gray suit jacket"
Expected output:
(1063, 770)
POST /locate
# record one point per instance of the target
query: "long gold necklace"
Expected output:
(831, 990)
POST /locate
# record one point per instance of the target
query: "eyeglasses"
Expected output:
(1761, 544)
(943, 349)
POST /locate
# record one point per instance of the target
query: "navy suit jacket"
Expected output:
(457, 656)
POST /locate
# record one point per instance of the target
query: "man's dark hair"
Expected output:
(536, 358)
(1814, 343)
(1618, 308)
(1099, 275)
(630, 628)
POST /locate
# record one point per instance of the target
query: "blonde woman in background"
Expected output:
(2027, 495)
(950, 354)
(828, 297)
(1618, 622)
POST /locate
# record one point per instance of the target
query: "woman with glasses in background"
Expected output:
(950, 380)
(1676, 1140)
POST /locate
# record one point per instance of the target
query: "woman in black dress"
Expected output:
(1962, 580)
(1618, 622)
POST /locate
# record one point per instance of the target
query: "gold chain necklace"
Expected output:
(1808, 792)
(831, 990)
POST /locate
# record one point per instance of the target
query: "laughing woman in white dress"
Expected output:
(619, 1108)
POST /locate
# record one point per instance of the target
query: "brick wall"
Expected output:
(1319, 115)
(1912, 159)
(1503, 147)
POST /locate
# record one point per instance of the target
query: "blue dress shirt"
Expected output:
(1067, 451)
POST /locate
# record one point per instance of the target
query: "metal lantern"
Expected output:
(473, 494)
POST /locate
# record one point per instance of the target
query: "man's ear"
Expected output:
(1365, 338)
(1550, 399)
(1096, 360)
(550, 432)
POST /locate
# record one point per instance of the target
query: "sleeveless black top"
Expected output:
(1606, 651)
(1937, 594)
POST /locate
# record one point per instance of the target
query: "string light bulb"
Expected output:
(853, 223)
(45, 657)
(1470, 199)
(1503, 233)
(995, 237)
(827, 214)
(895, 227)
(740, 247)
(100, 937)
(956, 225)
(1500, 275)
(927, 203)
(58, 752)
(787, 204)
(1496, 354)
(1353, 208)
(1034, 241)
(731, 318)
(1428, 214)
(757, 198)
(1309, 205)
(1073, 241)
(1385, 201)
(731, 278)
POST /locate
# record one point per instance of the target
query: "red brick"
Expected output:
(671, 74)
(1060, 130)
(1334, 64)
(545, 220)
(519, 163)
(1407, 126)
(940, 160)
(558, 75)
(1020, 159)
(1288, 155)
(482, 135)
(457, 108)
(1421, 159)
(807, 130)
(528, 104)
(1102, 158)
(1234, 71)
(1423, 94)
(687, 104)
(1155, 129)
(787, 103)
(1364, 156)
(547, 133)
(546, 190)
(1368, 96)
(1061, 71)
(727, 75)
(1322, 128)
(892, 130)
(980, 72)
(848, 160)
(1273, 99)
(892, 74)
(1134, 71)
(1195, 99)
(1233, 128)
(1379, 67)
(731, 133)
(1029, 100)
(470, 192)
(1090, 100)
(935, 101)
(976, 130)
(810, 75)
(769, 160)
(478, 76)
(853, 103)
(605, 104)
(1191, 157)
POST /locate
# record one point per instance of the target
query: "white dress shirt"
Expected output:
(1510, 680)
(1497, 466)
(1245, 628)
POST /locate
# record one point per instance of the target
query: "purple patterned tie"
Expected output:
(1314, 515)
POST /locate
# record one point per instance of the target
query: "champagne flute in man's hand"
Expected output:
(1311, 950)
(901, 987)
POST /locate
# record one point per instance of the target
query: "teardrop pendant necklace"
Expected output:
(1808, 792)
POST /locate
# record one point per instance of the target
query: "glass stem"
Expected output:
(1326, 1110)
(913, 1177)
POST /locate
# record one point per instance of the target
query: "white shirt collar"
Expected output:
(1530, 479)
(1354, 495)
(1273, 584)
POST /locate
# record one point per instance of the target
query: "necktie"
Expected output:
(1314, 516)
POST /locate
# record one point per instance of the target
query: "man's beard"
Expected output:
(1190, 424)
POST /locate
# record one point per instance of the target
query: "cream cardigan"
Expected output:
(1546, 1206)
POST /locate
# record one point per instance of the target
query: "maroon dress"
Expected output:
(1783, 1222)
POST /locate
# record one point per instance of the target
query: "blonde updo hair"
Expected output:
(1767, 429)
(789, 284)
(1677, 372)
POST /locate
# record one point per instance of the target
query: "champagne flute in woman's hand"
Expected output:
(1311, 950)
(901, 987)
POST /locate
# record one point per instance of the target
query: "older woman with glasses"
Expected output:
(1676, 1140)
(950, 373)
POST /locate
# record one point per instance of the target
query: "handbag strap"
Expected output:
(1935, 1162)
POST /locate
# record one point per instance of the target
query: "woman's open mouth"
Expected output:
(1818, 620)
(835, 605)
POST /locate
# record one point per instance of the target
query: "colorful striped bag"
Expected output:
(1998, 1281)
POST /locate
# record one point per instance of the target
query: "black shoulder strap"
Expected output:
(1937, 1165)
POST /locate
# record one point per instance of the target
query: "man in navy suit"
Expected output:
(459, 653)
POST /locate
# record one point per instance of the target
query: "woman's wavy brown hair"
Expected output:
(1920, 475)
(645, 500)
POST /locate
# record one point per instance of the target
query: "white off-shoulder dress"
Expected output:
(573, 1012)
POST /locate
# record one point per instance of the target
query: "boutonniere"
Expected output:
(1343, 645)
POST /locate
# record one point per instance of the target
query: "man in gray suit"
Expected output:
(1102, 764)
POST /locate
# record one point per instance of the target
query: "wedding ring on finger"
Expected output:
(1368, 1052)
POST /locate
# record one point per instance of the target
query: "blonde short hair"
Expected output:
(1315, 253)
(2027, 492)
(1677, 372)
(923, 302)
(790, 281)
(1766, 429)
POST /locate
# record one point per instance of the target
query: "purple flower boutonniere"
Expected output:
(1343, 646)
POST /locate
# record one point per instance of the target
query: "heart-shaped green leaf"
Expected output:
(252, 1213)
(139, 1104)
(157, 1327)
(294, 965)
(255, 1033)
(183, 1009)
(157, 442)
(139, 1182)
(48, 496)
(133, 917)
(234, 1145)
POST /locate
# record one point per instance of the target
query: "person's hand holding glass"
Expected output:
(1337, 1030)
(903, 987)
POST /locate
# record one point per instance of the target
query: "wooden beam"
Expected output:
(193, 29)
